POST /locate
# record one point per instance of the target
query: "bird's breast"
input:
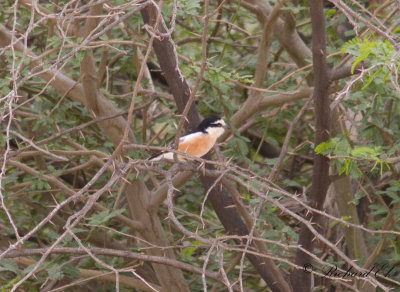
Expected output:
(197, 145)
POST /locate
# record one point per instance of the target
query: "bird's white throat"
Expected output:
(215, 132)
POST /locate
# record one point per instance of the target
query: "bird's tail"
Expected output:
(156, 157)
(164, 155)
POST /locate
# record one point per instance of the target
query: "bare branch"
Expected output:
(320, 179)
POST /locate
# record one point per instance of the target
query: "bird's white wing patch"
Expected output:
(190, 136)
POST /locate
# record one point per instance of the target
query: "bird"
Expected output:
(199, 141)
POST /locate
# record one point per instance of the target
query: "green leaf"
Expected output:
(189, 250)
(55, 272)
(104, 37)
(358, 59)
(104, 216)
(365, 152)
(378, 209)
(188, 7)
(244, 149)
(333, 223)
(330, 12)
(326, 147)
(28, 269)
(396, 30)
(70, 271)
(372, 78)
(8, 265)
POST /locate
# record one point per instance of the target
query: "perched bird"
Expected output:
(198, 141)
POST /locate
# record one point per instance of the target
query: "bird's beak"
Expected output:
(227, 127)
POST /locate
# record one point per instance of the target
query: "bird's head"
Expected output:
(214, 126)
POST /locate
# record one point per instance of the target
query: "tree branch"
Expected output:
(119, 253)
(87, 274)
(285, 33)
(138, 197)
(320, 179)
(64, 85)
(219, 199)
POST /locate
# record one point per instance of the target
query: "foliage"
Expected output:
(348, 160)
